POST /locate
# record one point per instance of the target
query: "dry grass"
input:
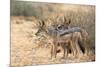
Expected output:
(29, 49)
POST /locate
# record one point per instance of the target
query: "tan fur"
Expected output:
(70, 42)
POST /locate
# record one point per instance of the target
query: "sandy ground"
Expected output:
(25, 49)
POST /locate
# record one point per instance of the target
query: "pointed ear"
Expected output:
(69, 21)
(42, 23)
(65, 19)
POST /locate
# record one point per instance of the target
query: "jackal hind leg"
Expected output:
(73, 49)
(54, 50)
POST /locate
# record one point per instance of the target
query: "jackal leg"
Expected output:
(53, 50)
(65, 53)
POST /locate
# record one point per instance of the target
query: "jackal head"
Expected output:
(64, 24)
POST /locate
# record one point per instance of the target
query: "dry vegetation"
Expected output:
(30, 49)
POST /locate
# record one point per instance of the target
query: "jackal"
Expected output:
(74, 38)
(73, 42)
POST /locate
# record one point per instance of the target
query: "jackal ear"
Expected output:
(42, 23)
(65, 19)
(69, 21)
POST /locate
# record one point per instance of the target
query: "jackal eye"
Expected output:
(60, 27)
